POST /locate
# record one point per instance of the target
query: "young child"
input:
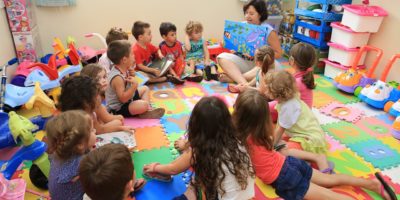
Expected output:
(109, 122)
(124, 97)
(108, 173)
(295, 118)
(220, 162)
(292, 178)
(172, 49)
(70, 135)
(112, 35)
(264, 59)
(145, 53)
(197, 55)
(302, 59)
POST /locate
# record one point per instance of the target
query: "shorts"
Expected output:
(294, 179)
(124, 110)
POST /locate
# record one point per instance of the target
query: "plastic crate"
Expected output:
(343, 35)
(321, 33)
(325, 14)
(344, 55)
(332, 69)
(362, 18)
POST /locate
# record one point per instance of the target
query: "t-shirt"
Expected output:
(266, 163)
(306, 94)
(301, 125)
(233, 191)
(144, 55)
(174, 51)
(105, 62)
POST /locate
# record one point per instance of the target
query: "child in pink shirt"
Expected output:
(292, 178)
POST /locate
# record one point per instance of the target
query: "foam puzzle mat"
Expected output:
(359, 149)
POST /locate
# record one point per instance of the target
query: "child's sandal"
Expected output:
(233, 89)
(330, 169)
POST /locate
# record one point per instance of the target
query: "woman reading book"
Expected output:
(238, 67)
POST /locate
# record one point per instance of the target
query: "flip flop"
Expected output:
(157, 176)
(385, 187)
(232, 89)
(329, 170)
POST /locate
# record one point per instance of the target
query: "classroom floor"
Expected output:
(357, 148)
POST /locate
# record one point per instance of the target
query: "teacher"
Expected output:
(241, 69)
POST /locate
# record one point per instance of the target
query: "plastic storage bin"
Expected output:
(343, 35)
(332, 69)
(343, 55)
(362, 18)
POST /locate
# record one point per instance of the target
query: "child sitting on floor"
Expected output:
(70, 135)
(295, 118)
(124, 97)
(148, 57)
(221, 164)
(264, 59)
(112, 35)
(108, 173)
(292, 178)
(172, 49)
(109, 121)
(197, 55)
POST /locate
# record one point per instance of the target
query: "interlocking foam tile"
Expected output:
(191, 102)
(161, 86)
(171, 107)
(343, 112)
(395, 187)
(374, 127)
(353, 192)
(175, 123)
(324, 119)
(391, 142)
(161, 155)
(24, 174)
(264, 191)
(388, 119)
(172, 138)
(368, 110)
(327, 87)
(394, 173)
(334, 145)
(165, 94)
(347, 162)
(150, 137)
(140, 123)
(215, 88)
(346, 132)
(157, 190)
(379, 154)
(321, 99)
(191, 90)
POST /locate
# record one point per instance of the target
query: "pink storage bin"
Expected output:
(343, 35)
(343, 55)
(361, 18)
(332, 69)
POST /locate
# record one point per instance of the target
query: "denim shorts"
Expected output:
(294, 179)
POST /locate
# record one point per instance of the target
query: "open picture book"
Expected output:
(120, 137)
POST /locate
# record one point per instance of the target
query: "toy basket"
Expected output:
(332, 69)
(361, 18)
(343, 35)
(344, 55)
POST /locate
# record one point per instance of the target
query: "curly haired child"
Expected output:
(197, 55)
(112, 35)
(292, 178)
(219, 160)
(70, 135)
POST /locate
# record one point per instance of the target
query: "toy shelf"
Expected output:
(327, 16)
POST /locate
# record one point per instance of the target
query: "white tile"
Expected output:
(393, 173)
(368, 110)
(324, 119)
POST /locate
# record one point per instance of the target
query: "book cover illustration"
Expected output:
(141, 78)
(120, 137)
(243, 37)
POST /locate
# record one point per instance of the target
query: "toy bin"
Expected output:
(344, 55)
(332, 69)
(361, 18)
(343, 35)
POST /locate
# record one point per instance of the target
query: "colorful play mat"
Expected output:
(360, 138)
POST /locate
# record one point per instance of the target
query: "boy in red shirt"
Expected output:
(146, 54)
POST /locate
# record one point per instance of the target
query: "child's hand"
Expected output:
(119, 117)
(132, 81)
(156, 72)
(128, 129)
(150, 167)
(131, 71)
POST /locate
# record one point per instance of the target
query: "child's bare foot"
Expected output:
(157, 80)
(377, 187)
(223, 78)
(180, 144)
(153, 114)
(323, 164)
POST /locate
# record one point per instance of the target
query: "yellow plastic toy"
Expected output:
(41, 101)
